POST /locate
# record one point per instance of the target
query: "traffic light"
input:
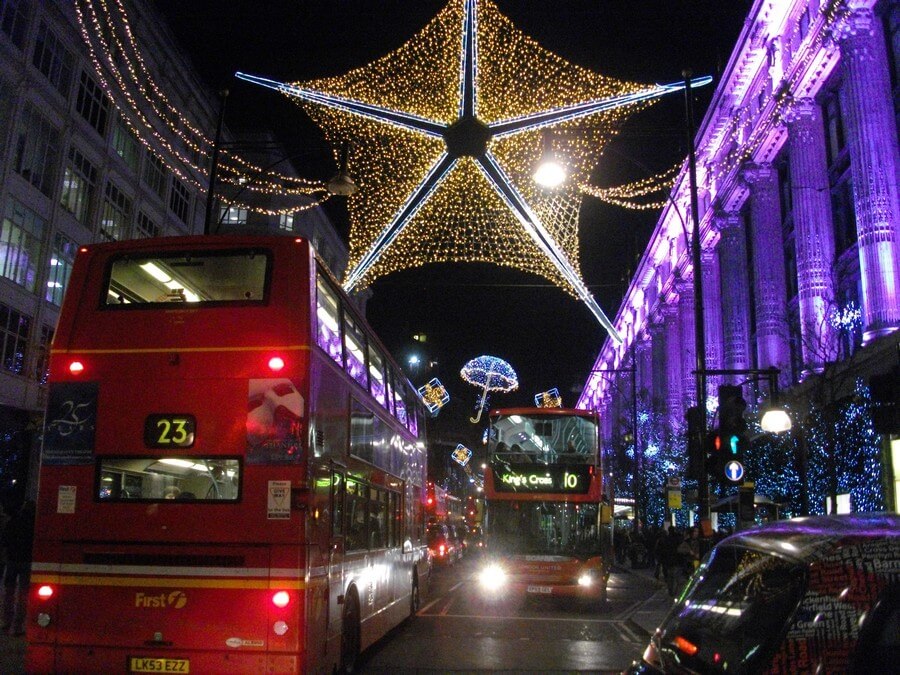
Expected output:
(712, 446)
(732, 426)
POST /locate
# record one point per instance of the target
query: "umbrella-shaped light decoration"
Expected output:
(489, 373)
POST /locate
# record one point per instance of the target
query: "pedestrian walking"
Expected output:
(17, 540)
(667, 554)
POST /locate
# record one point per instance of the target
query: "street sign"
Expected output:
(674, 482)
(734, 471)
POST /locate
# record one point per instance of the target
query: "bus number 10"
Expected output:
(570, 480)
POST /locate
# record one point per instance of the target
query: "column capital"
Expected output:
(728, 220)
(801, 110)
(758, 173)
(858, 22)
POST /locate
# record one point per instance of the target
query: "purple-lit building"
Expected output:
(797, 171)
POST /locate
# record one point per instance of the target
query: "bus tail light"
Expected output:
(45, 592)
(281, 599)
(276, 363)
(76, 367)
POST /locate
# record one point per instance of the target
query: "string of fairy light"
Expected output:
(418, 204)
(626, 195)
(153, 119)
(743, 149)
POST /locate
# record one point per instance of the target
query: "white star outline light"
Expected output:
(469, 136)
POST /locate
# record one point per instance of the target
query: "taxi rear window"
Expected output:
(193, 278)
(735, 612)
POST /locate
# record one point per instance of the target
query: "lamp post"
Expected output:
(214, 163)
(638, 455)
(699, 327)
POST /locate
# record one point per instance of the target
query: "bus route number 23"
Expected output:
(169, 431)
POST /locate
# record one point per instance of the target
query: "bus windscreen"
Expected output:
(544, 528)
(543, 439)
(235, 275)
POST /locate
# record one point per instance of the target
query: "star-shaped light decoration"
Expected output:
(447, 130)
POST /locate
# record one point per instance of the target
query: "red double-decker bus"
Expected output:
(233, 468)
(546, 523)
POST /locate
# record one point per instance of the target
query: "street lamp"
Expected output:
(550, 173)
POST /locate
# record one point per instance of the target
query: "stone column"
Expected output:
(644, 366)
(685, 291)
(712, 318)
(735, 292)
(813, 232)
(868, 112)
(772, 334)
(673, 363)
(658, 350)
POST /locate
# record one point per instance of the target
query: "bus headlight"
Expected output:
(492, 577)
(586, 580)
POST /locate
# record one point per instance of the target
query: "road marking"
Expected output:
(519, 618)
(422, 611)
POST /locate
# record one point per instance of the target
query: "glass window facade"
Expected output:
(20, 241)
(92, 103)
(53, 59)
(15, 328)
(79, 186)
(180, 200)
(37, 150)
(115, 222)
(61, 261)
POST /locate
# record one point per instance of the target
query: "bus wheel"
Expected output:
(414, 599)
(350, 637)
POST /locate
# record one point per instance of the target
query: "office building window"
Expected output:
(14, 20)
(61, 260)
(79, 186)
(14, 329)
(53, 59)
(146, 227)
(42, 359)
(116, 218)
(92, 103)
(233, 215)
(37, 150)
(154, 174)
(179, 200)
(286, 222)
(125, 144)
(20, 244)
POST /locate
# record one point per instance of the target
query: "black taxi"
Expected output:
(808, 595)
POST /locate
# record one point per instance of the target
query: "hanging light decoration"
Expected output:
(160, 126)
(449, 127)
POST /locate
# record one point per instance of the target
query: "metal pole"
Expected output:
(638, 455)
(214, 164)
(699, 328)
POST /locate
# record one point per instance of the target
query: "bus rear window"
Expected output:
(235, 275)
(158, 478)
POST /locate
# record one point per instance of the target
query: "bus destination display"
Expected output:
(541, 479)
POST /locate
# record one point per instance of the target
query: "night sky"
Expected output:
(467, 310)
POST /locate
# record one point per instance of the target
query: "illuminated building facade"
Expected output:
(73, 171)
(797, 163)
